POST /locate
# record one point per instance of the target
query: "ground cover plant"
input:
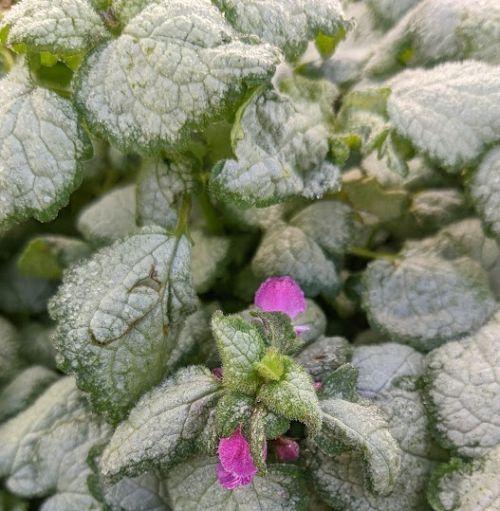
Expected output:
(249, 255)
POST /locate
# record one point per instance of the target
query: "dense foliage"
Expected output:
(249, 255)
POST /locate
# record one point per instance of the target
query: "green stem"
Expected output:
(183, 219)
(370, 254)
(213, 223)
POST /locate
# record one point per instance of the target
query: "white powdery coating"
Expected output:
(363, 429)
(485, 190)
(450, 112)
(442, 30)
(290, 251)
(125, 10)
(424, 300)
(119, 313)
(391, 10)
(380, 365)
(162, 425)
(288, 24)
(194, 486)
(58, 26)
(40, 148)
(464, 386)
(281, 150)
(173, 66)
(474, 487)
(109, 218)
(43, 450)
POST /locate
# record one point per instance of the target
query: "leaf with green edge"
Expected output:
(324, 355)
(163, 426)
(125, 10)
(257, 438)
(233, 409)
(24, 388)
(193, 486)
(281, 144)
(288, 24)
(43, 449)
(422, 107)
(56, 26)
(437, 31)
(287, 250)
(463, 486)
(10, 353)
(119, 315)
(41, 150)
(110, 217)
(47, 256)
(484, 188)
(277, 329)
(148, 92)
(462, 390)
(293, 397)
(341, 384)
(240, 346)
(209, 260)
(160, 188)
(424, 300)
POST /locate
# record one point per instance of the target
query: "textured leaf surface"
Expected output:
(43, 449)
(160, 188)
(288, 24)
(281, 145)
(174, 65)
(24, 389)
(58, 26)
(163, 426)
(390, 11)
(118, 315)
(109, 218)
(485, 190)
(287, 250)
(193, 486)
(423, 108)
(467, 486)
(425, 300)
(9, 350)
(437, 31)
(41, 148)
(293, 397)
(362, 428)
(463, 388)
(240, 346)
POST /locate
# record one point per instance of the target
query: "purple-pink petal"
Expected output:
(286, 449)
(300, 329)
(281, 294)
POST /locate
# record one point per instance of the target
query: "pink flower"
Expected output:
(286, 449)
(282, 294)
(236, 467)
(218, 372)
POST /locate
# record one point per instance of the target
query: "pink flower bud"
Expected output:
(218, 373)
(281, 294)
(286, 449)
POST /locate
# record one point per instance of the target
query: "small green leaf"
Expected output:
(257, 438)
(293, 397)
(277, 330)
(271, 367)
(240, 346)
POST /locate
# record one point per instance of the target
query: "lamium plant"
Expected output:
(249, 255)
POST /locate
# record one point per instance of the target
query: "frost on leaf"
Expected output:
(24, 389)
(61, 27)
(361, 428)
(424, 300)
(463, 389)
(240, 346)
(449, 112)
(163, 427)
(175, 65)
(119, 314)
(41, 146)
(43, 450)
(109, 218)
(287, 24)
(160, 189)
(125, 10)
(210, 253)
(485, 191)
(437, 31)
(281, 144)
(287, 250)
(193, 485)
(465, 486)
